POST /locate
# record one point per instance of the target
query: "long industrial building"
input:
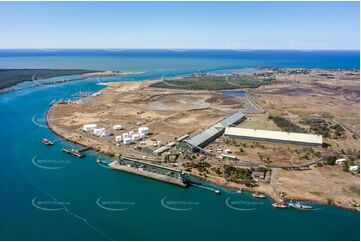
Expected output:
(203, 138)
(274, 136)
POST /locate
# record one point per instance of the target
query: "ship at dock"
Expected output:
(150, 170)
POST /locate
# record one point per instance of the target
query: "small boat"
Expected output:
(102, 162)
(239, 191)
(279, 205)
(217, 192)
(47, 142)
(300, 206)
(258, 195)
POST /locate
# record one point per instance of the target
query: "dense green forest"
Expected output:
(11, 77)
(208, 82)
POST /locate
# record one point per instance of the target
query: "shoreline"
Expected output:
(85, 76)
(219, 184)
(325, 198)
(272, 197)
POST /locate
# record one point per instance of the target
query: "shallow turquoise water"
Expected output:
(132, 207)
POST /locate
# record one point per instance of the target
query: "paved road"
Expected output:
(254, 165)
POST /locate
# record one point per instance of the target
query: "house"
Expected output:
(258, 175)
(340, 161)
(231, 157)
(353, 168)
(227, 151)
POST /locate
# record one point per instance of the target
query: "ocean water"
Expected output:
(176, 60)
(49, 195)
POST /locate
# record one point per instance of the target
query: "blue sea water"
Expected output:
(176, 60)
(49, 195)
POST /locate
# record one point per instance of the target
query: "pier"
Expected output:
(84, 149)
(77, 153)
(73, 152)
(150, 170)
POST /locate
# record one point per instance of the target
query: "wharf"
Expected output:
(149, 170)
(73, 152)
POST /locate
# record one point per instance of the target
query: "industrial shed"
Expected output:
(274, 136)
(203, 138)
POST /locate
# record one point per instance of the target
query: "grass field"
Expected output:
(259, 121)
(207, 82)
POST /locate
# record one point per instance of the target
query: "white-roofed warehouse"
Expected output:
(201, 139)
(274, 136)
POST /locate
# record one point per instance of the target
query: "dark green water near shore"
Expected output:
(49, 195)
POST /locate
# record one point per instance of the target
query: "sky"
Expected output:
(180, 25)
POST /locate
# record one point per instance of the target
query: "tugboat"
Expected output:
(47, 142)
(258, 195)
(279, 205)
(300, 206)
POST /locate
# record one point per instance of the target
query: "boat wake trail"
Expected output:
(316, 209)
(84, 220)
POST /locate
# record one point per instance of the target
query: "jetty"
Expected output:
(73, 152)
(150, 170)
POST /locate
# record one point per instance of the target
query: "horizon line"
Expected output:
(121, 48)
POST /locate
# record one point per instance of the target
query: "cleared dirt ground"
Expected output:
(168, 113)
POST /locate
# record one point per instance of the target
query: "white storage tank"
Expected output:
(135, 137)
(89, 127)
(104, 133)
(98, 131)
(117, 127)
(143, 130)
(119, 138)
(127, 141)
